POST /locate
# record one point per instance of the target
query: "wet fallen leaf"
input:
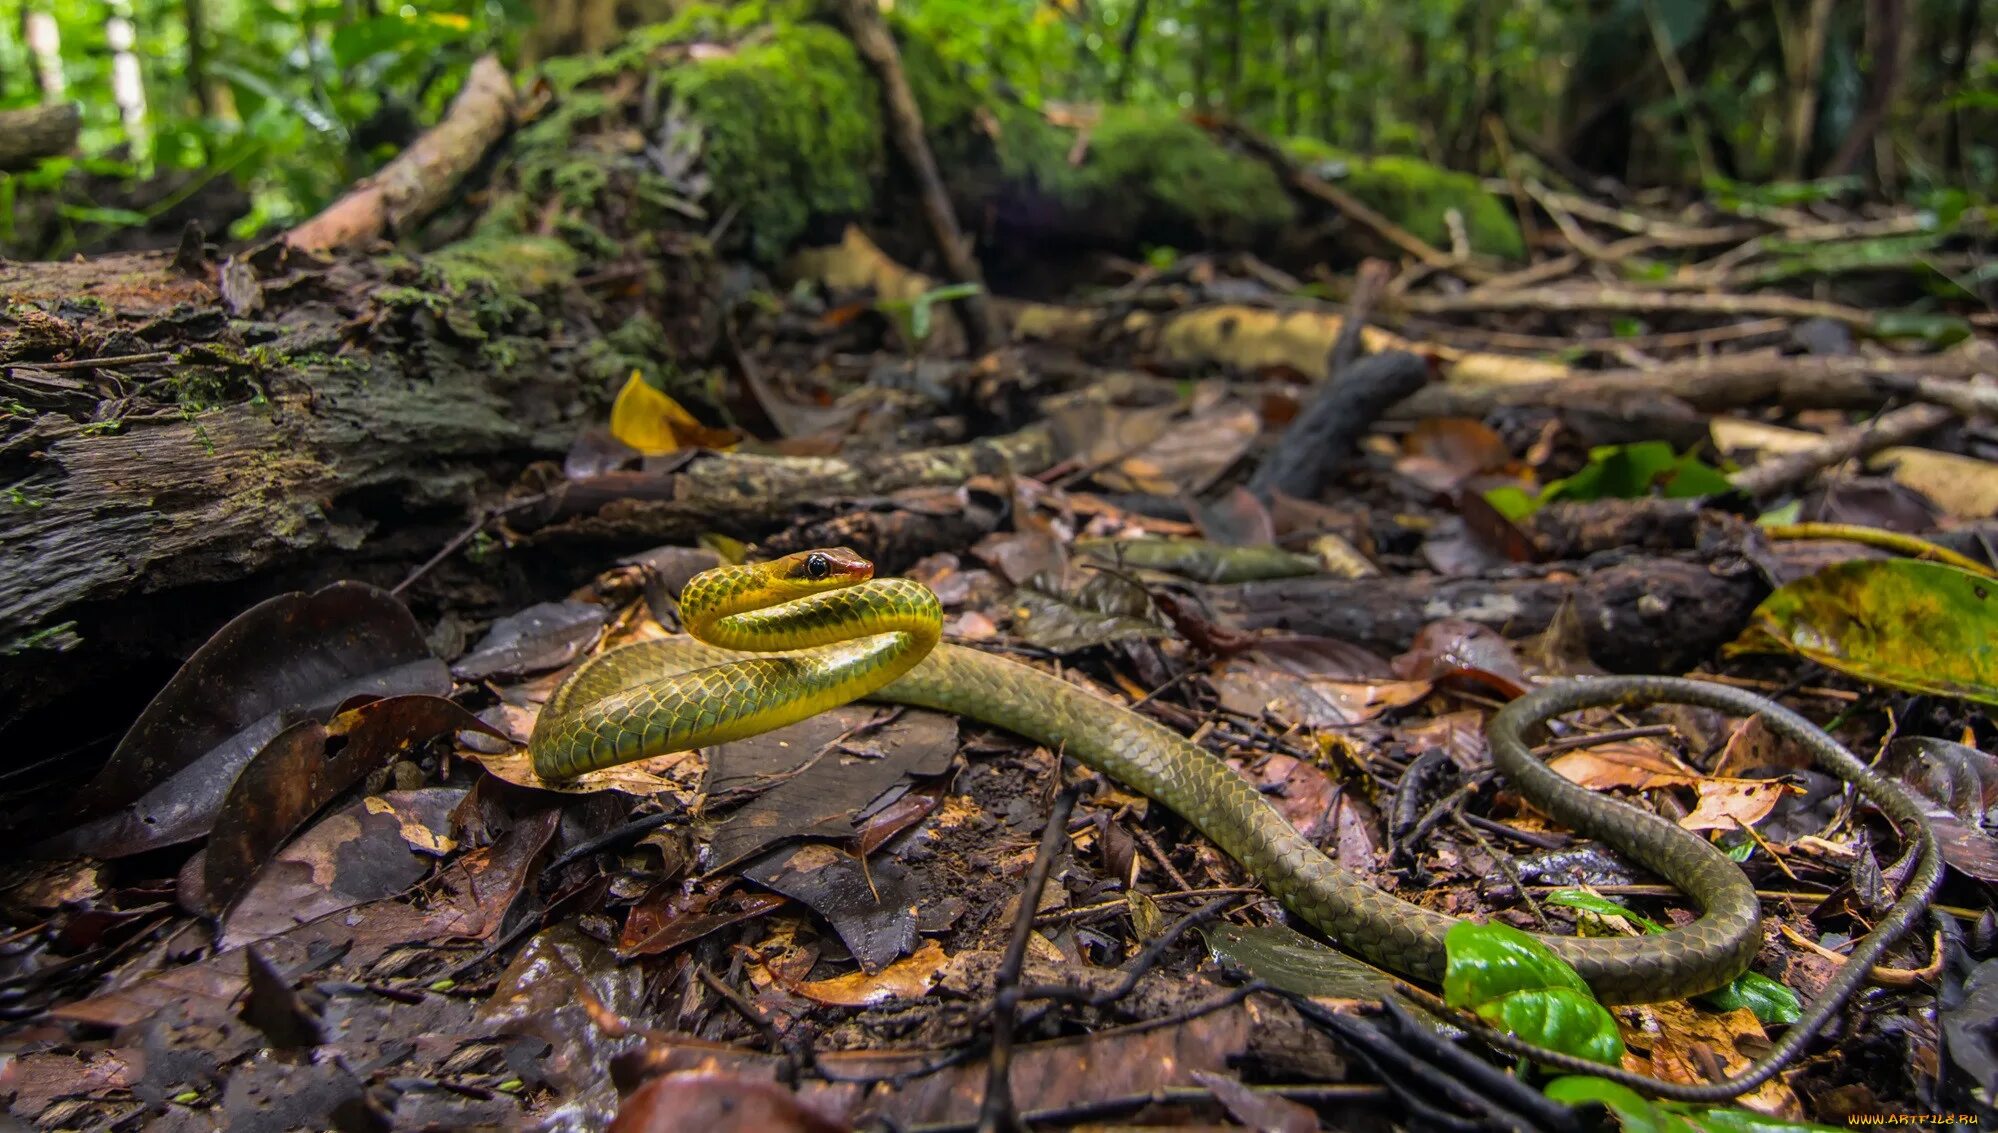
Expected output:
(1637, 764)
(557, 989)
(655, 424)
(1189, 456)
(1459, 650)
(874, 906)
(469, 899)
(1290, 961)
(1441, 453)
(1957, 786)
(1904, 623)
(1966, 1027)
(1661, 1036)
(1643, 765)
(1460, 735)
(1236, 519)
(669, 916)
(1107, 608)
(1730, 804)
(711, 1102)
(297, 774)
(360, 853)
(911, 977)
(1265, 1113)
(819, 777)
(295, 656)
(542, 637)
(1253, 689)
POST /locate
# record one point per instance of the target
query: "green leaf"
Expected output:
(1904, 623)
(1788, 513)
(115, 217)
(1936, 330)
(1770, 1001)
(1635, 1112)
(1638, 1114)
(1516, 982)
(1558, 1018)
(1486, 961)
(1512, 502)
(1600, 905)
(1288, 960)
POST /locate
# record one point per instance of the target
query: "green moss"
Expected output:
(791, 129)
(1416, 194)
(505, 264)
(639, 344)
(1153, 166)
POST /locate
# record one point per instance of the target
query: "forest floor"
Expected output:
(318, 883)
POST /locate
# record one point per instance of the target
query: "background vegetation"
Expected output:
(291, 100)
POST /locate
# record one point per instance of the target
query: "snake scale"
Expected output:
(844, 635)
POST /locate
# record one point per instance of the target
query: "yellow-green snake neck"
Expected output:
(852, 636)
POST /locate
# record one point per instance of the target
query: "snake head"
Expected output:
(822, 569)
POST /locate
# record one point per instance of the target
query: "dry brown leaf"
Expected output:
(1639, 764)
(1661, 1036)
(1729, 804)
(911, 977)
(676, 776)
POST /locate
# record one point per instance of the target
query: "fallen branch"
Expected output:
(1617, 300)
(421, 178)
(1793, 469)
(1330, 427)
(1310, 184)
(1737, 381)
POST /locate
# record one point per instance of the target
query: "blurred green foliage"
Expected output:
(297, 98)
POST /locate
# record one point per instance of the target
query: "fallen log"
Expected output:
(36, 132)
(1639, 615)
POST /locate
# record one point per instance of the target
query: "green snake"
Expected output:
(824, 632)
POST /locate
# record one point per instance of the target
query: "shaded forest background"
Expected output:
(255, 113)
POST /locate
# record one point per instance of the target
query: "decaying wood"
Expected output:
(338, 449)
(36, 132)
(872, 39)
(422, 177)
(1641, 615)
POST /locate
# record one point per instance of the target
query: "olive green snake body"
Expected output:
(848, 636)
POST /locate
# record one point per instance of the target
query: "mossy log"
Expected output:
(165, 463)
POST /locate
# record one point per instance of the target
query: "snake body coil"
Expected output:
(877, 639)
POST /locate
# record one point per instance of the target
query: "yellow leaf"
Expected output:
(655, 424)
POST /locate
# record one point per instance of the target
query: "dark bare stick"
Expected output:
(998, 1112)
(876, 45)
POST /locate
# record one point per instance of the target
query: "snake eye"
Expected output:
(817, 566)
